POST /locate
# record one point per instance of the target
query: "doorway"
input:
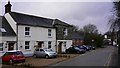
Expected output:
(40, 44)
(10, 46)
(60, 47)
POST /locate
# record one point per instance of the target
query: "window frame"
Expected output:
(65, 31)
(49, 44)
(27, 43)
(1, 47)
(27, 30)
(49, 32)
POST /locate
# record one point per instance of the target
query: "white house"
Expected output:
(30, 32)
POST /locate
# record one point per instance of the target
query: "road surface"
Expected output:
(99, 57)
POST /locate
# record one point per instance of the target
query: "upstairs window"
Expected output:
(65, 32)
(27, 31)
(49, 32)
(2, 30)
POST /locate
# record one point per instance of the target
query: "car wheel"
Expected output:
(10, 61)
(46, 56)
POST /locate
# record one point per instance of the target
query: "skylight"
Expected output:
(2, 30)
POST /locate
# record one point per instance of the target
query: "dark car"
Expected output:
(13, 56)
(93, 47)
(74, 50)
(82, 48)
(86, 47)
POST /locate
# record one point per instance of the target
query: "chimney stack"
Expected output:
(8, 7)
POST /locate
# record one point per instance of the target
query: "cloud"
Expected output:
(78, 13)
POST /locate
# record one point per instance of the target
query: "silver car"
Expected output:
(44, 52)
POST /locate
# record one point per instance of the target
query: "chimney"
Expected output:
(8, 7)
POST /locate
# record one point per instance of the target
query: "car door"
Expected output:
(41, 53)
(36, 52)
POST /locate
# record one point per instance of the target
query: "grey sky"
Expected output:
(77, 13)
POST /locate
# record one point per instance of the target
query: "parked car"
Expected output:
(82, 48)
(13, 56)
(86, 47)
(74, 50)
(93, 47)
(44, 52)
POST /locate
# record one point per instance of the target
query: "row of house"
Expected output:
(25, 32)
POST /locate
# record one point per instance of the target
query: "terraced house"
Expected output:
(28, 32)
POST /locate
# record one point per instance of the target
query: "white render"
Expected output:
(5, 44)
(11, 21)
(36, 34)
(68, 44)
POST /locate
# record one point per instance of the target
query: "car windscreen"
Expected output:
(48, 50)
(9, 53)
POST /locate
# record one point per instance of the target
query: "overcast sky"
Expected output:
(77, 13)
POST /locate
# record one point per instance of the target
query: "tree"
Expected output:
(75, 28)
(90, 28)
(115, 21)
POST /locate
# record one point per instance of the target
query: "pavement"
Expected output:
(114, 57)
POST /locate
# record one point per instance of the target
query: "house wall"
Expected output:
(36, 34)
(68, 44)
(5, 43)
(59, 32)
(11, 21)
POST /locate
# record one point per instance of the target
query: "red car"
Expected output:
(13, 56)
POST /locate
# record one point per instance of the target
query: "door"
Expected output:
(42, 53)
(60, 47)
(40, 44)
(10, 46)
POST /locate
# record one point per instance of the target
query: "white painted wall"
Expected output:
(36, 34)
(68, 44)
(4, 41)
(10, 21)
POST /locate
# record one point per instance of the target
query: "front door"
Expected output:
(40, 44)
(60, 47)
(10, 46)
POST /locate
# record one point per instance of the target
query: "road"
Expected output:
(99, 57)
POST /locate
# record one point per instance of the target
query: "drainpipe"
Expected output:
(16, 36)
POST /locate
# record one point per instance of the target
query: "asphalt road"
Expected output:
(99, 57)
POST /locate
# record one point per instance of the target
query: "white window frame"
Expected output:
(50, 44)
(49, 32)
(65, 31)
(27, 31)
(27, 45)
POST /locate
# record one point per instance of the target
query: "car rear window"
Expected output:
(9, 53)
(19, 52)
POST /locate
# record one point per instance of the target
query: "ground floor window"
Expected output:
(1, 46)
(49, 44)
(27, 45)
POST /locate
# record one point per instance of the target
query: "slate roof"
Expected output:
(4, 24)
(77, 35)
(58, 22)
(24, 19)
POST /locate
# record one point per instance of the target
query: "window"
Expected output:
(2, 30)
(49, 32)
(49, 44)
(27, 46)
(1, 46)
(64, 43)
(27, 31)
(65, 32)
